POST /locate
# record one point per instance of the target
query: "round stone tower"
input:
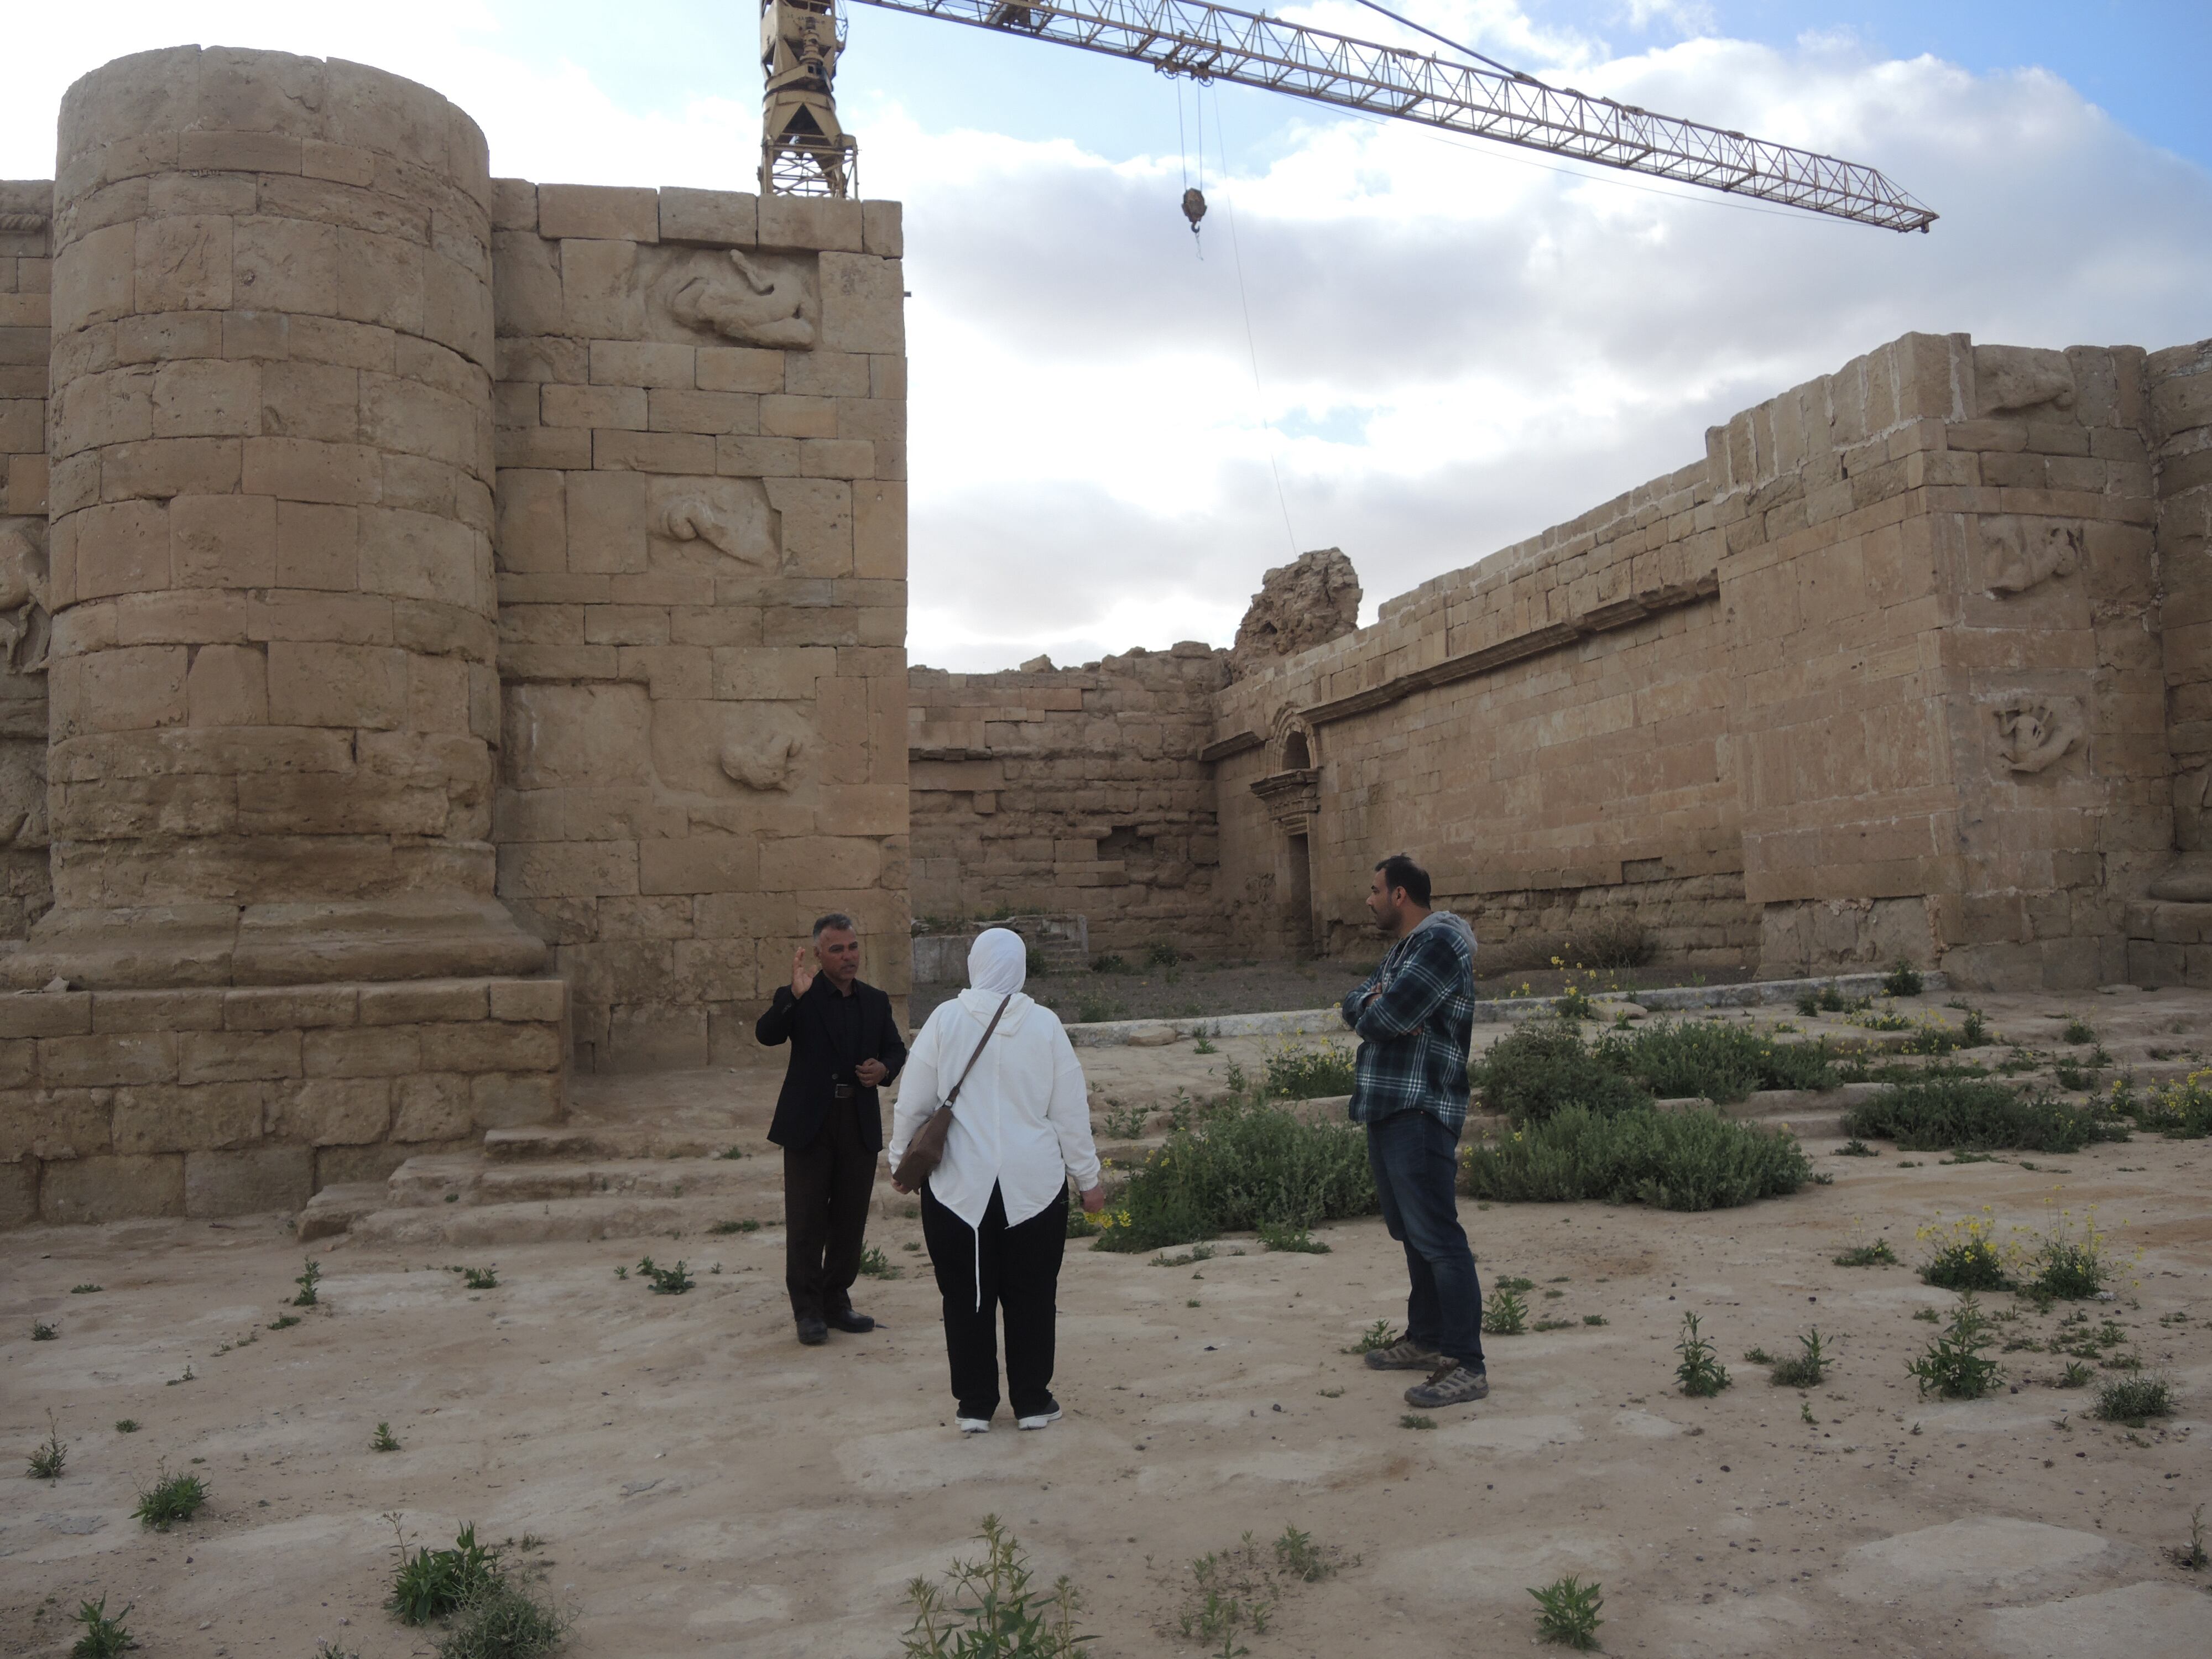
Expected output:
(274, 688)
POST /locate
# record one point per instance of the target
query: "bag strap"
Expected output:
(978, 1055)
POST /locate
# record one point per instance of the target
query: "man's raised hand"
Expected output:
(802, 973)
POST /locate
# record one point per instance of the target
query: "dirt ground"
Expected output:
(1198, 990)
(705, 1485)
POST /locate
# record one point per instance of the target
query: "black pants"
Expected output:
(1018, 1269)
(826, 1187)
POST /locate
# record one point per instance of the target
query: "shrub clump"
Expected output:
(1970, 1114)
(1955, 1366)
(1696, 1160)
(1238, 1168)
(1714, 1059)
(1297, 1072)
(1542, 1066)
(2131, 1399)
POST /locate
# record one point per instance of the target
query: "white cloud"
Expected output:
(1457, 343)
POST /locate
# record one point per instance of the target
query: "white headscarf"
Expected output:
(997, 962)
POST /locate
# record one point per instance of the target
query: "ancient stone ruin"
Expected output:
(454, 627)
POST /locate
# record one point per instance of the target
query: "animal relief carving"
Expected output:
(2026, 553)
(2009, 378)
(25, 626)
(748, 301)
(730, 515)
(2034, 733)
(769, 761)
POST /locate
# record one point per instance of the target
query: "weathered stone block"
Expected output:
(112, 1188)
(276, 1008)
(500, 1100)
(335, 1111)
(370, 1051)
(44, 1013)
(247, 1183)
(491, 1046)
(55, 1123)
(432, 1106)
(541, 999)
(416, 1002)
(134, 1057)
(719, 218)
(169, 1119)
(603, 212)
(230, 1056)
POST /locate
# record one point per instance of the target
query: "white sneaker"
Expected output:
(974, 1425)
(1039, 1420)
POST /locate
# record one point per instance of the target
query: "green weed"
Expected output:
(126, 1425)
(283, 1321)
(170, 1498)
(1541, 1067)
(477, 1279)
(992, 1605)
(430, 1584)
(2078, 1031)
(2193, 1555)
(1903, 979)
(1700, 1372)
(2076, 1375)
(1381, 1334)
(1504, 1315)
(47, 1458)
(665, 1281)
(42, 1332)
(1806, 1369)
(1875, 1254)
(1594, 1319)
(1124, 1122)
(1714, 1059)
(503, 1619)
(1955, 1365)
(1295, 1072)
(86, 1290)
(2131, 1399)
(874, 1264)
(747, 1225)
(384, 1440)
(1566, 1612)
(1408, 1420)
(104, 1637)
(1855, 1148)
(1296, 1240)
(308, 1281)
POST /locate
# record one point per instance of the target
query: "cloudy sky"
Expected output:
(1414, 347)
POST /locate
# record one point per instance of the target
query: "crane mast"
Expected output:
(1209, 42)
(804, 151)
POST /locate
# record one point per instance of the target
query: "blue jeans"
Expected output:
(1415, 1159)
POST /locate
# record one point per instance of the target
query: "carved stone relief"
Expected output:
(2025, 553)
(730, 515)
(2008, 379)
(770, 761)
(755, 300)
(2034, 732)
(24, 624)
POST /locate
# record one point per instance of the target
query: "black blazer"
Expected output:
(803, 1022)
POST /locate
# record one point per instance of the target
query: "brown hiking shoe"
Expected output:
(1452, 1384)
(1403, 1355)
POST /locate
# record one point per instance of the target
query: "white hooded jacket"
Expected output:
(1023, 1121)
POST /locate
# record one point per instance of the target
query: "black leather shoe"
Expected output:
(850, 1322)
(813, 1333)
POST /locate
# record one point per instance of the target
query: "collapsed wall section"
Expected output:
(1075, 789)
(702, 545)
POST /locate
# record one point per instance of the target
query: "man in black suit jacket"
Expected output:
(844, 1045)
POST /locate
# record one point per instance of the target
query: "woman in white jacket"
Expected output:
(994, 1212)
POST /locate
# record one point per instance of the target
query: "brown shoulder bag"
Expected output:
(927, 1150)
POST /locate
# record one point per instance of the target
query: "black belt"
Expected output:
(842, 1092)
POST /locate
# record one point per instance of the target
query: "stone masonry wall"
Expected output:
(1879, 677)
(26, 628)
(209, 1102)
(701, 548)
(1075, 789)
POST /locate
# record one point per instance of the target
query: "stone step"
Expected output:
(554, 1221)
(337, 1207)
(466, 1179)
(577, 1142)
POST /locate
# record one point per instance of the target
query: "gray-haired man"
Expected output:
(845, 1044)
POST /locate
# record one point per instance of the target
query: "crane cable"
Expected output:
(1469, 51)
(1251, 348)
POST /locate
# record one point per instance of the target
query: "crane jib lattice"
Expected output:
(1218, 43)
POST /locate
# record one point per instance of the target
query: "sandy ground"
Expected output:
(705, 1485)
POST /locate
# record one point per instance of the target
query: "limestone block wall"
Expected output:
(26, 626)
(1880, 676)
(1945, 684)
(1075, 789)
(213, 1101)
(1544, 731)
(702, 546)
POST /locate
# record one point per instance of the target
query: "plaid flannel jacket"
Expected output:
(1414, 1035)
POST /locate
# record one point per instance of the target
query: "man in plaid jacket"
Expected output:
(1415, 1016)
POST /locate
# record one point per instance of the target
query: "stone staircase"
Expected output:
(570, 1181)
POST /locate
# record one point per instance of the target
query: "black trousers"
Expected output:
(826, 1187)
(1017, 1268)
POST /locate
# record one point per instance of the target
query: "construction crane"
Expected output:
(1483, 100)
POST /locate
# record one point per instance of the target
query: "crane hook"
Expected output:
(1193, 207)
